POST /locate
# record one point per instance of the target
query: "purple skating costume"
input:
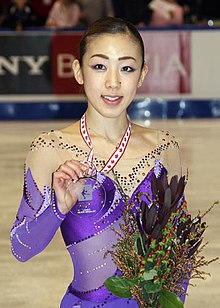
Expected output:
(88, 238)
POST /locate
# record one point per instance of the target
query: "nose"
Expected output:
(112, 80)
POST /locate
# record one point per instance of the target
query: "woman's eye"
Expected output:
(99, 67)
(128, 69)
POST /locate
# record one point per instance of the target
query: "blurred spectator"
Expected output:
(20, 15)
(42, 9)
(135, 11)
(191, 10)
(2, 14)
(166, 13)
(3, 10)
(95, 9)
(63, 14)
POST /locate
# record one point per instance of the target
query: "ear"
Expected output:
(77, 71)
(144, 72)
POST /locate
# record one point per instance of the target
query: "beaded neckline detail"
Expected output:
(55, 140)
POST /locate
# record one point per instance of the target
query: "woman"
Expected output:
(20, 15)
(93, 10)
(166, 13)
(104, 144)
(63, 14)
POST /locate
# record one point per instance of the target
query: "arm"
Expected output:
(170, 155)
(53, 16)
(42, 207)
(177, 16)
(38, 216)
(30, 235)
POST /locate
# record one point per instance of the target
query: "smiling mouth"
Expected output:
(112, 100)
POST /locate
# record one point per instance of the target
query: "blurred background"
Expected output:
(38, 41)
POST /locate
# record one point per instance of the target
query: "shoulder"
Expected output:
(167, 138)
(43, 159)
(45, 140)
(47, 148)
(56, 142)
(155, 137)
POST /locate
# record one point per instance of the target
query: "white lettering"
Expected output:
(35, 65)
(156, 66)
(11, 65)
(174, 64)
(64, 65)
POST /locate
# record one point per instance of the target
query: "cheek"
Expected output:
(132, 84)
(91, 88)
(91, 77)
(93, 83)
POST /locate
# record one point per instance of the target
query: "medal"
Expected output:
(90, 192)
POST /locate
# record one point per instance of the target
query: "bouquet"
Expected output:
(159, 247)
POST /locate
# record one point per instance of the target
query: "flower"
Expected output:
(158, 250)
(153, 218)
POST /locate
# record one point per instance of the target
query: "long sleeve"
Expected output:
(34, 227)
(38, 217)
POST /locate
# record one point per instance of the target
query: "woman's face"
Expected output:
(111, 73)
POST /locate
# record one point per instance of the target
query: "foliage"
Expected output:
(158, 250)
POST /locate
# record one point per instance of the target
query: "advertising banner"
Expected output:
(25, 64)
(168, 55)
(64, 50)
(38, 65)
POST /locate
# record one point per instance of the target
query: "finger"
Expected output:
(77, 166)
(85, 166)
(58, 174)
(69, 171)
(73, 168)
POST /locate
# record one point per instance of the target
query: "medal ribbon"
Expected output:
(116, 155)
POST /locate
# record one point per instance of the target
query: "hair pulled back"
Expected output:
(110, 25)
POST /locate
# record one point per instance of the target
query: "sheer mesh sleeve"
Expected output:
(38, 217)
(170, 156)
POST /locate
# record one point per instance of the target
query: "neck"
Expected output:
(110, 129)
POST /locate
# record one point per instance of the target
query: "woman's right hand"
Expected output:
(66, 173)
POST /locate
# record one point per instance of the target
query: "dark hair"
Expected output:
(109, 25)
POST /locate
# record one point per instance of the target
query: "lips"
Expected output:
(112, 100)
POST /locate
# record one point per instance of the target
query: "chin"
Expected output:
(112, 113)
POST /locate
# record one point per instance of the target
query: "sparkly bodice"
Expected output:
(89, 238)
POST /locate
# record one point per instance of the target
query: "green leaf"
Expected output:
(130, 264)
(168, 299)
(148, 266)
(132, 281)
(150, 287)
(149, 275)
(136, 245)
(118, 286)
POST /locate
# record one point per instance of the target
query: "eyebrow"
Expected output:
(107, 58)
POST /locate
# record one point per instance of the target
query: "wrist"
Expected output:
(59, 211)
